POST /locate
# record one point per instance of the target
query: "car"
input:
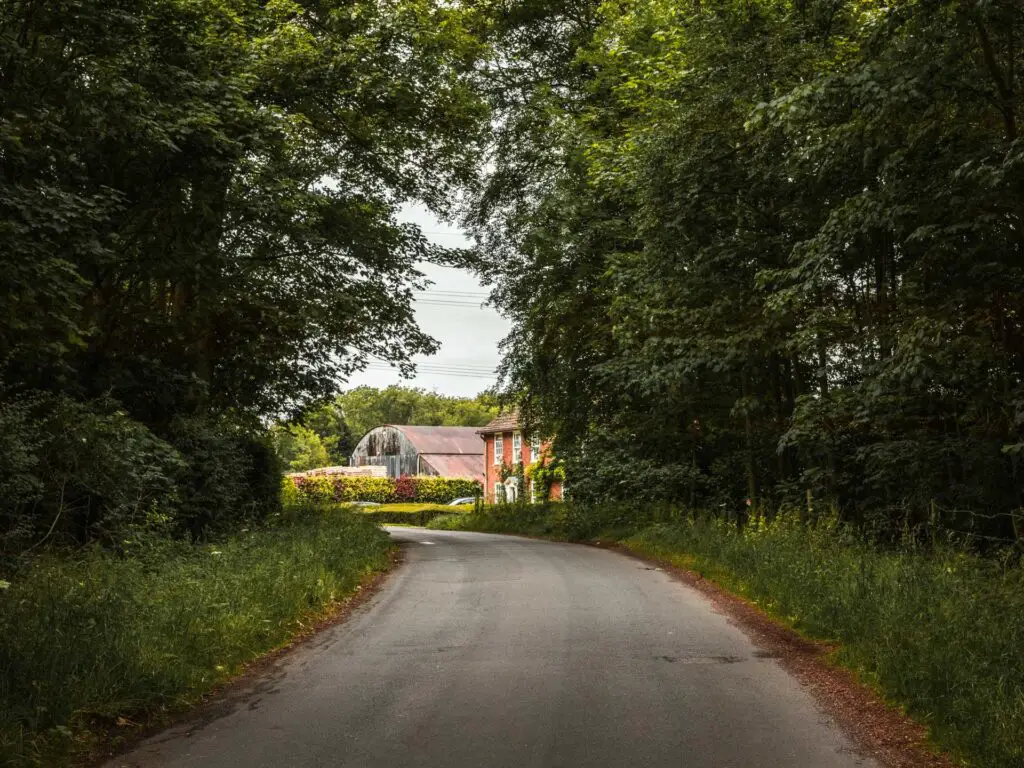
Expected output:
(364, 503)
(463, 500)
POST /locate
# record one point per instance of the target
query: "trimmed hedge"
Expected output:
(383, 490)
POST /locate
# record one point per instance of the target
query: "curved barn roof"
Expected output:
(444, 440)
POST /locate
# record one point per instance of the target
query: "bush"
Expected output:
(290, 494)
(441, 490)
(378, 489)
(73, 472)
(383, 490)
(228, 475)
(80, 472)
(406, 489)
(130, 636)
(316, 490)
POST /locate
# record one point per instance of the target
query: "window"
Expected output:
(534, 449)
(517, 447)
(499, 448)
(499, 493)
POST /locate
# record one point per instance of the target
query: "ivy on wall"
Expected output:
(544, 473)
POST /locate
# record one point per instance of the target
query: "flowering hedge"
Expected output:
(383, 490)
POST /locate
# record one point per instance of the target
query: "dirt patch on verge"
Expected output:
(879, 730)
(244, 689)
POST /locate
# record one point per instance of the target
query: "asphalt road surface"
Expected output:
(488, 650)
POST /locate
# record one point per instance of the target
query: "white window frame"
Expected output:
(499, 448)
(534, 449)
(499, 493)
(517, 447)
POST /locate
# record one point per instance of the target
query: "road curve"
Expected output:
(487, 650)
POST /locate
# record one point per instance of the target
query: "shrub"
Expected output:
(406, 488)
(316, 490)
(441, 490)
(379, 489)
(227, 476)
(383, 490)
(88, 472)
(290, 493)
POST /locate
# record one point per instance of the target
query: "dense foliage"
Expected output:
(756, 248)
(197, 231)
(323, 489)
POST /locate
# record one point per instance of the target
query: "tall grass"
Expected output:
(937, 629)
(89, 638)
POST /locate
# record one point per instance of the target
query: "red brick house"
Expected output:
(505, 446)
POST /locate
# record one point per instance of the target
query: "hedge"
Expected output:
(384, 490)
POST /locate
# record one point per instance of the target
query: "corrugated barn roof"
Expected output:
(447, 440)
(456, 465)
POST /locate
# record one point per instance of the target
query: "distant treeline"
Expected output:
(753, 250)
(326, 434)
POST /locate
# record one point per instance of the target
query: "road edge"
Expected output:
(881, 729)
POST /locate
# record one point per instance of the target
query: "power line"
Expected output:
(454, 364)
(435, 292)
(439, 373)
(432, 369)
(439, 303)
(426, 367)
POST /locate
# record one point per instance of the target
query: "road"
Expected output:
(486, 650)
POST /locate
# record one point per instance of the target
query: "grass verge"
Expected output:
(935, 630)
(92, 641)
(411, 514)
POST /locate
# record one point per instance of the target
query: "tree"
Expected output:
(300, 448)
(363, 408)
(755, 248)
(199, 209)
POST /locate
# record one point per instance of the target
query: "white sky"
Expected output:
(468, 333)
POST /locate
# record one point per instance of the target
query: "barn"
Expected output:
(410, 450)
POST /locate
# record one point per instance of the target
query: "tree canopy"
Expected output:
(199, 229)
(754, 249)
(749, 250)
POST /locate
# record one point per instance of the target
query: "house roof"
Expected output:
(503, 422)
(443, 440)
(456, 465)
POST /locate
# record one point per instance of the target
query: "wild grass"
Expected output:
(89, 638)
(936, 629)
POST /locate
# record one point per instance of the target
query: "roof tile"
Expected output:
(503, 422)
